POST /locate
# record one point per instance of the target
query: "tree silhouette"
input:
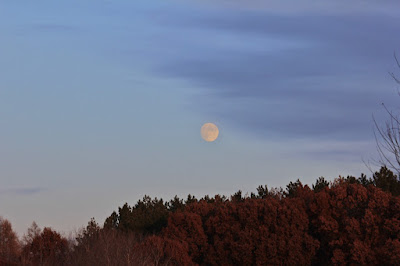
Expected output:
(244, 232)
(387, 181)
(47, 248)
(32, 232)
(156, 250)
(350, 221)
(175, 204)
(112, 222)
(291, 188)
(9, 246)
(320, 184)
(147, 216)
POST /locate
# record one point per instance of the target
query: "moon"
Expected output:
(209, 132)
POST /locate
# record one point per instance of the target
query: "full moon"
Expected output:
(209, 132)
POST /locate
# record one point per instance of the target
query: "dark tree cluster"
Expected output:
(350, 221)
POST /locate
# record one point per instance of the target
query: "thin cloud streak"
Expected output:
(310, 76)
(308, 6)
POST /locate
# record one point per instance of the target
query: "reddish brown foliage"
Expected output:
(47, 248)
(105, 247)
(354, 224)
(349, 222)
(112, 247)
(9, 246)
(253, 231)
(156, 250)
(344, 224)
(187, 227)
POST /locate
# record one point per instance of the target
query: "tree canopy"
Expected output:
(351, 220)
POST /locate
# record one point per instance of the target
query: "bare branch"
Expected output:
(387, 137)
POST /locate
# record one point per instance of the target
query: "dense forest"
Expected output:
(347, 221)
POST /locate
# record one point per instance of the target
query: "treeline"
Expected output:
(348, 221)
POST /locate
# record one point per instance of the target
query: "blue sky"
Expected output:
(102, 102)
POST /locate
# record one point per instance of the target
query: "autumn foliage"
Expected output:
(245, 232)
(350, 221)
(46, 248)
(9, 246)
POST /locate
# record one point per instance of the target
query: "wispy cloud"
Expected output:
(293, 75)
(310, 6)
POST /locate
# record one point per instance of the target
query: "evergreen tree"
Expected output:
(387, 181)
(320, 184)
